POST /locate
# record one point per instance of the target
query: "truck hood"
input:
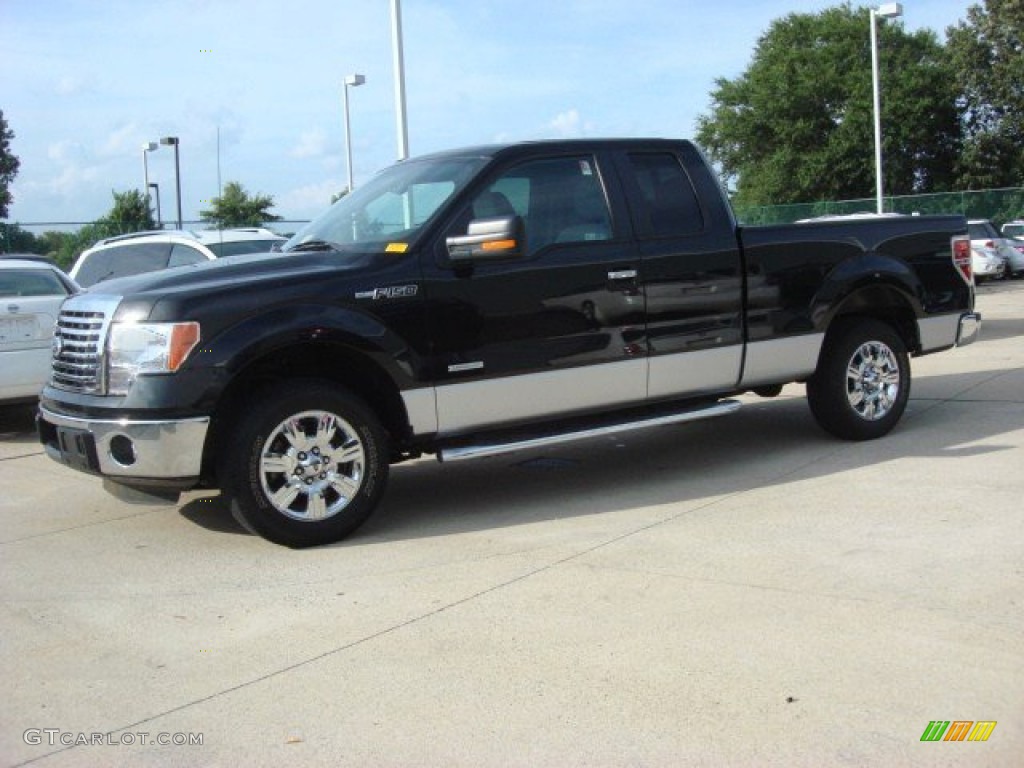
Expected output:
(234, 273)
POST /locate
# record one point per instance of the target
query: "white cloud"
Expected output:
(308, 201)
(311, 144)
(65, 151)
(122, 141)
(569, 124)
(64, 193)
(69, 85)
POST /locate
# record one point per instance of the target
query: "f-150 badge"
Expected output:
(391, 292)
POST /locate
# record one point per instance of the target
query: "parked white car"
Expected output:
(986, 264)
(986, 238)
(1014, 229)
(149, 251)
(31, 293)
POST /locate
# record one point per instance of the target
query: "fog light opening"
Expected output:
(122, 450)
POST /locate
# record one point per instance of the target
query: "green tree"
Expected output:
(49, 244)
(987, 54)
(14, 239)
(130, 213)
(236, 208)
(797, 125)
(9, 165)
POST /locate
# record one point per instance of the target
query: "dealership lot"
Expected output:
(740, 591)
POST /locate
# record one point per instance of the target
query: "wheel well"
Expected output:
(881, 302)
(332, 362)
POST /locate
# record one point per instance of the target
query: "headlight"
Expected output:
(141, 348)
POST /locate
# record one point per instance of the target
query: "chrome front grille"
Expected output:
(79, 340)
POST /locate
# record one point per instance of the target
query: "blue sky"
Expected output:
(85, 83)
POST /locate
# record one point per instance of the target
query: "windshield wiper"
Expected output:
(313, 245)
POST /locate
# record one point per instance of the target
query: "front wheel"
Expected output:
(305, 465)
(862, 384)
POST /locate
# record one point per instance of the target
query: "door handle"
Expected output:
(622, 274)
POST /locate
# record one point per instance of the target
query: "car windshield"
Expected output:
(238, 247)
(391, 209)
(982, 230)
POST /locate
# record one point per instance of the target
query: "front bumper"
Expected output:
(151, 452)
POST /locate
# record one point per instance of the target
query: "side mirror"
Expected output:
(487, 240)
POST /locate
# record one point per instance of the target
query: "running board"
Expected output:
(456, 452)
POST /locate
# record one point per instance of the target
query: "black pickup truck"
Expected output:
(486, 300)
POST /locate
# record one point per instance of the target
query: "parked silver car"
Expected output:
(31, 293)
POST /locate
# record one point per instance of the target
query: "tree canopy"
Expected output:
(797, 125)
(130, 213)
(987, 54)
(9, 165)
(236, 208)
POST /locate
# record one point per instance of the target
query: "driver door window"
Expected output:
(560, 200)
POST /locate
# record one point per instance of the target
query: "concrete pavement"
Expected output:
(743, 591)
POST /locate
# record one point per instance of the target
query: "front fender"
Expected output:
(279, 328)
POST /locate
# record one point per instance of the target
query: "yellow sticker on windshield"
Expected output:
(396, 248)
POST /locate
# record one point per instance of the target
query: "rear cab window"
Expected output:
(668, 205)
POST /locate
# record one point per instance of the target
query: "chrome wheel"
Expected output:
(312, 466)
(873, 380)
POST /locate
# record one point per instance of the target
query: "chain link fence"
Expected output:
(999, 205)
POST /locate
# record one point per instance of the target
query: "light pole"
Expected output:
(172, 141)
(396, 45)
(887, 11)
(353, 81)
(149, 146)
(159, 217)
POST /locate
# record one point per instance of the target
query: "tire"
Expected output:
(862, 384)
(305, 464)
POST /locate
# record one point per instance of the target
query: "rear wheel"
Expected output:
(305, 465)
(862, 384)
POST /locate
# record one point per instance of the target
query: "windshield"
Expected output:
(388, 213)
(982, 230)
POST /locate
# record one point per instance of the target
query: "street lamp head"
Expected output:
(355, 80)
(889, 10)
(150, 146)
(169, 141)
